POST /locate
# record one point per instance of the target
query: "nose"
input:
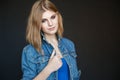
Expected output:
(50, 23)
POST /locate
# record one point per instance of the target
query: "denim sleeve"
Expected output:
(79, 70)
(72, 47)
(28, 67)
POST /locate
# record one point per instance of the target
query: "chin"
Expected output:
(52, 32)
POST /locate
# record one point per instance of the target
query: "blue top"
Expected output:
(63, 72)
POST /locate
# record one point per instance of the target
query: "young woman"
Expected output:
(48, 56)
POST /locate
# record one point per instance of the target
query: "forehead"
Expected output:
(48, 14)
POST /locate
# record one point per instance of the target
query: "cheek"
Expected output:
(43, 28)
(56, 21)
(44, 25)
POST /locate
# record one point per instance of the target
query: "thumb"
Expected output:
(53, 53)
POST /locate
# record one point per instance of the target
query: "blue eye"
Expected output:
(43, 20)
(53, 17)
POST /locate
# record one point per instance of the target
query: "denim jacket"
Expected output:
(33, 62)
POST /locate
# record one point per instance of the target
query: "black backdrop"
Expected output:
(93, 25)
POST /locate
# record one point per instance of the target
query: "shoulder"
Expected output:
(70, 46)
(29, 50)
(68, 41)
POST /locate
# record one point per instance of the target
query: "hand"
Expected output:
(55, 62)
(56, 49)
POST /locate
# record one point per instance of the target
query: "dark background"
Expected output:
(93, 25)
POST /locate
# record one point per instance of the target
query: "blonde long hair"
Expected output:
(33, 30)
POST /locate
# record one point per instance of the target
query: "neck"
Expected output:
(51, 38)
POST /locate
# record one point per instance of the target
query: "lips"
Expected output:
(51, 28)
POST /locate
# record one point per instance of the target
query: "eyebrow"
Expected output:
(51, 15)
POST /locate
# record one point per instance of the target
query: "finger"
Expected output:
(58, 55)
(53, 53)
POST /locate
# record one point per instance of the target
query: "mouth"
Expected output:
(51, 29)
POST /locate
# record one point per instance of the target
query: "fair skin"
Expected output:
(50, 27)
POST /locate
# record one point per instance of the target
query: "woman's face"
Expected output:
(49, 22)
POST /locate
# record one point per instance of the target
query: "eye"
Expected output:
(43, 20)
(53, 17)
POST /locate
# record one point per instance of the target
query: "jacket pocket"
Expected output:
(41, 62)
(40, 59)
